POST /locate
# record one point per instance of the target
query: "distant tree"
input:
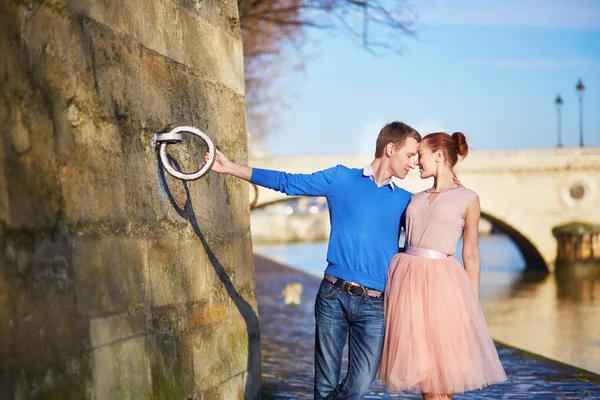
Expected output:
(272, 30)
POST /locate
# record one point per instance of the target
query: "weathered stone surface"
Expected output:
(179, 273)
(56, 54)
(111, 275)
(120, 327)
(222, 354)
(195, 39)
(43, 335)
(172, 366)
(122, 371)
(216, 55)
(4, 198)
(19, 136)
(232, 388)
(220, 13)
(113, 272)
(92, 179)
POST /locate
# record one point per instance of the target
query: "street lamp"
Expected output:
(580, 89)
(559, 102)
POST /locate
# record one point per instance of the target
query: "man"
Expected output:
(365, 209)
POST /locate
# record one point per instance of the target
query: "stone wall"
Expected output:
(117, 281)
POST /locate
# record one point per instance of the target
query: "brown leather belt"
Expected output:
(352, 288)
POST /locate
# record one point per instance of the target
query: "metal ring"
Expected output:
(170, 138)
(203, 170)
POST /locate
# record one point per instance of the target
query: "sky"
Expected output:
(490, 69)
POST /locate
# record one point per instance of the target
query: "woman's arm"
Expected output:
(470, 251)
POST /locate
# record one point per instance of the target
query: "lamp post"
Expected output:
(580, 89)
(559, 102)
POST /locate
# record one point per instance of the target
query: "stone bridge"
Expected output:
(525, 192)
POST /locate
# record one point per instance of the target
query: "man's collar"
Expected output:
(368, 171)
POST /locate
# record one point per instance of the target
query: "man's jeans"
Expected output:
(340, 315)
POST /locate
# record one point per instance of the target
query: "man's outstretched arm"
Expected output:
(315, 184)
(222, 165)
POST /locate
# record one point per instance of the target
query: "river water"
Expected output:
(555, 318)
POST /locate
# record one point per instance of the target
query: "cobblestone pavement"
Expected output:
(287, 334)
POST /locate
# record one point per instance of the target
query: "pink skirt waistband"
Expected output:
(427, 253)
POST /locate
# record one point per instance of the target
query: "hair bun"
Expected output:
(460, 141)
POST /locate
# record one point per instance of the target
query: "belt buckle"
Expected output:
(351, 284)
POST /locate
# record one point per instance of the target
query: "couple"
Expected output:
(414, 315)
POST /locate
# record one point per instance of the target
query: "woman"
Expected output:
(436, 339)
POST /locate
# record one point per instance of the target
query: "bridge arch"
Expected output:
(531, 255)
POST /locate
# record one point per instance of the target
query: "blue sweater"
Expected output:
(365, 219)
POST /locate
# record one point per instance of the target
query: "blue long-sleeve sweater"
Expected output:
(365, 218)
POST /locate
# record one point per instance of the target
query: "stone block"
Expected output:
(92, 179)
(214, 54)
(219, 354)
(44, 337)
(220, 13)
(70, 381)
(153, 24)
(201, 315)
(243, 259)
(172, 370)
(180, 272)
(156, 25)
(111, 275)
(122, 371)
(132, 82)
(107, 330)
(56, 49)
(217, 111)
(34, 195)
(204, 37)
(234, 388)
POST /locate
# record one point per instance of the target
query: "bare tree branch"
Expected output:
(273, 30)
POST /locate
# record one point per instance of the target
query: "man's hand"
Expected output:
(222, 165)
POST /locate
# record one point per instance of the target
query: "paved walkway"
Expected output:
(287, 334)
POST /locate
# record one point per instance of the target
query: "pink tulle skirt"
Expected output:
(436, 337)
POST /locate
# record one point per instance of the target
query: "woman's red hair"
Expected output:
(453, 146)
